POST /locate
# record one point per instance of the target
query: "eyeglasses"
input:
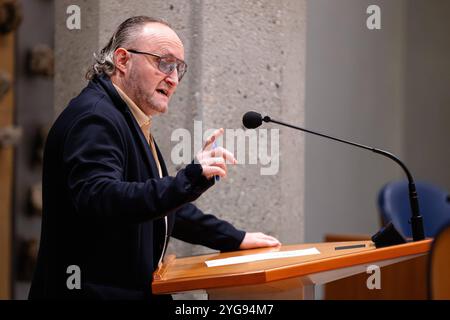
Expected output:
(166, 64)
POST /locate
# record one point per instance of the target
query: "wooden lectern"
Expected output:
(283, 278)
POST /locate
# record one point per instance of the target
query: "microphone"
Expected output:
(252, 120)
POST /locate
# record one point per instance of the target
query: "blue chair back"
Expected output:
(434, 205)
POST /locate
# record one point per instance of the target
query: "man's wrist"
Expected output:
(194, 173)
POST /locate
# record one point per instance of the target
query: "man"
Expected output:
(109, 204)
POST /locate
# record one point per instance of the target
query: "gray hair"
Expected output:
(126, 33)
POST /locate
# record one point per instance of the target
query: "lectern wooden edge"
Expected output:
(285, 278)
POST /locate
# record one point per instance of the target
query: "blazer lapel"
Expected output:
(107, 85)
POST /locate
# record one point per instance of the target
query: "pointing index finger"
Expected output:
(212, 138)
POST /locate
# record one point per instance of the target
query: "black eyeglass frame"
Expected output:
(160, 57)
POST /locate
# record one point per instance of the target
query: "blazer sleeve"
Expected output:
(193, 226)
(94, 158)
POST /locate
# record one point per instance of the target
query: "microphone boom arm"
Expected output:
(416, 219)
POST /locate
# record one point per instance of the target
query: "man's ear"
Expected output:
(121, 59)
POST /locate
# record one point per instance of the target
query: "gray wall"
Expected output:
(387, 88)
(73, 50)
(427, 85)
(354, 90)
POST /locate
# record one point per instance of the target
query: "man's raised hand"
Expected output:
(214, 160)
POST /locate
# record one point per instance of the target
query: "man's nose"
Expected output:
(172, 78)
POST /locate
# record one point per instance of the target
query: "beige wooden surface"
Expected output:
(191, 273)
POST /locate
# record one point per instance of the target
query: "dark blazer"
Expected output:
(104, 203)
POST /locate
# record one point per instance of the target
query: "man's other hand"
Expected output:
(258, 240)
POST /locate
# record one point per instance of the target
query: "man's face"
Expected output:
(150, 88)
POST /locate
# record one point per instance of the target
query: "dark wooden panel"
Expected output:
(6, 169)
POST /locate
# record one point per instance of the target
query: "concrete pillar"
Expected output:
(242, 55)
(73, 49)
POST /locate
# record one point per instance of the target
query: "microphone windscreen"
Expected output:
(252, 120)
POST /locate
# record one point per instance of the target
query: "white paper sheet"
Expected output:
(262, 256)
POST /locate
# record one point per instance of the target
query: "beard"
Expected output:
(147, 101)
